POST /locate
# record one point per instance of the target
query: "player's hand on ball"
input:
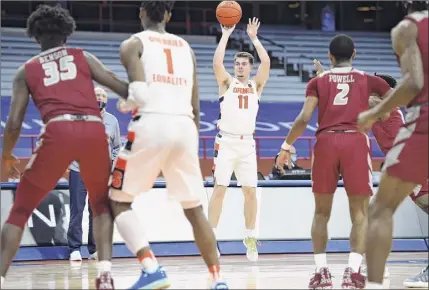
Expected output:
(318, 66)
(227, 30)
(282, 159)
(366, 120)
(9, 165)
(252, 27)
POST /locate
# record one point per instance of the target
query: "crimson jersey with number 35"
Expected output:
(60, 82)
(343, 93)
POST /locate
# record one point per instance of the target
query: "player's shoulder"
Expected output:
(417, 16)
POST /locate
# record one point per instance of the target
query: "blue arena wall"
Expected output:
(284, 222)
(274, 119)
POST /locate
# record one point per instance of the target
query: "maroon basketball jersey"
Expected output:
(421, 114)
(343, 93)
(60, 82)
(385, 131)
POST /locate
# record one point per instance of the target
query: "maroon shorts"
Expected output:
(62, 143)
(408, 158)
(345, 153)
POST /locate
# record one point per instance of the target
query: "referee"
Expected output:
(77, 188)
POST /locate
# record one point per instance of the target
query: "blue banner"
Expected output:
(274, 119)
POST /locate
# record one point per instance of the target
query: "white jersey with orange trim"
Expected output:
(169, 73)
(239, 107)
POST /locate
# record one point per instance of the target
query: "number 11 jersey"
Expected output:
(343, 93)
(60, 82)
(239, 107)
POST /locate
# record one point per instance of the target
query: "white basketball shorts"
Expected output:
(159, 143)
(235, 154)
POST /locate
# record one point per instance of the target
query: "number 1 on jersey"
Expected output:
(167, 52)
(243, 101)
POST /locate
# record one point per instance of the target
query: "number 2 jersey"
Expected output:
(60, 82)
(169, 72)
(239, 107)
(343, 93)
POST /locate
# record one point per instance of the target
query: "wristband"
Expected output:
(285, 146)
(256, 42)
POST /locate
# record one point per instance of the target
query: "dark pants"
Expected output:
(78, 194)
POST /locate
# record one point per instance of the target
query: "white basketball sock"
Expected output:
(104, 266)
(320, 260)
(355, 260)
(372, 285)
(2, 281)
(251, 233)
(131, 230)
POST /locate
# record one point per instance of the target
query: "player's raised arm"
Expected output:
(222, 76)
(301, 122)
(264, 68)
(195, 95)
(102, 75)
(404, 40)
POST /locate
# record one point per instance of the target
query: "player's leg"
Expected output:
(94, 163)
(142, 153)
(223, 168)
(185, 184)
(325, 175)
(421, 197)
(246, 170)
(405, 167)
(34, 185)
(356, 169)
(92, 248)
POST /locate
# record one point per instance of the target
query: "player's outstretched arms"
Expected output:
(264, 68)
(195, 95)
(102, 75)
(223, 78)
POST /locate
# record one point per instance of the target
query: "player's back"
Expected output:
(169, 72)
(343, 93)
(421, 20)
(60, 82)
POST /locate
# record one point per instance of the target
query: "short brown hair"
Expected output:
(244, 54)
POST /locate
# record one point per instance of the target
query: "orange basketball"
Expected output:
(228, 13)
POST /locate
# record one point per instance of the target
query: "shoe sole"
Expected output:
(416, 284)
(159, 284)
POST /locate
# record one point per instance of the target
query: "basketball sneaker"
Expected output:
(418, 281)
(104, 282)
(252, 248)
(220, 285)
(353, 280)
(155, 280)
(321, 279)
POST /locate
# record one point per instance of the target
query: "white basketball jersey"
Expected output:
(169, 72)
(239, 107)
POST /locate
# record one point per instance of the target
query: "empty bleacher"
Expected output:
(299, 47)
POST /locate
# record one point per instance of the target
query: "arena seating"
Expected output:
(373, 49)
(374, 54)
(16, 50)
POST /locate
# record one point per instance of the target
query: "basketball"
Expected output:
(228, 13)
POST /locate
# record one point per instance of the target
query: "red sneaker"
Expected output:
(353, 280)
(321, 280)
(104, 282)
